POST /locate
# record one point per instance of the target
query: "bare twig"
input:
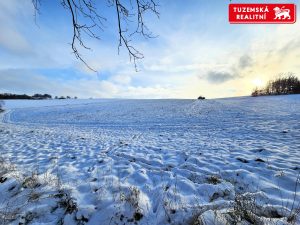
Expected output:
(86, 20)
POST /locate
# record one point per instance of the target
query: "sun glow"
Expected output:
(258, 82)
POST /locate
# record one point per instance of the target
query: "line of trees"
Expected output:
(24, 96)
(285, 84)
(34, 97)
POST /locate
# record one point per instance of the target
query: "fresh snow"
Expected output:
(150, 161)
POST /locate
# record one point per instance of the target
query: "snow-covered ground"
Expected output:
(151, 161)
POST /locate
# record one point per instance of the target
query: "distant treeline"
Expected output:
(284, 85)
(24, 96)
(35, 96)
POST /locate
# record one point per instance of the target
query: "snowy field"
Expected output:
(151, 161)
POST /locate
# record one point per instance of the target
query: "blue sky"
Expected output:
(197, 52)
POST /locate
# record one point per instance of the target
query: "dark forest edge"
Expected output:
(285, 84)
(33, 97)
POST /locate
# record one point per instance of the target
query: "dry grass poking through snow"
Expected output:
(37, 198)
(28, 199)
(247, 209)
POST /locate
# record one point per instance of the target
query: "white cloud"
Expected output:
(121, 79)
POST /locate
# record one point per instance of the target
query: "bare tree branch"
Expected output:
(143, 7)
(86, 20)
(36, 4)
